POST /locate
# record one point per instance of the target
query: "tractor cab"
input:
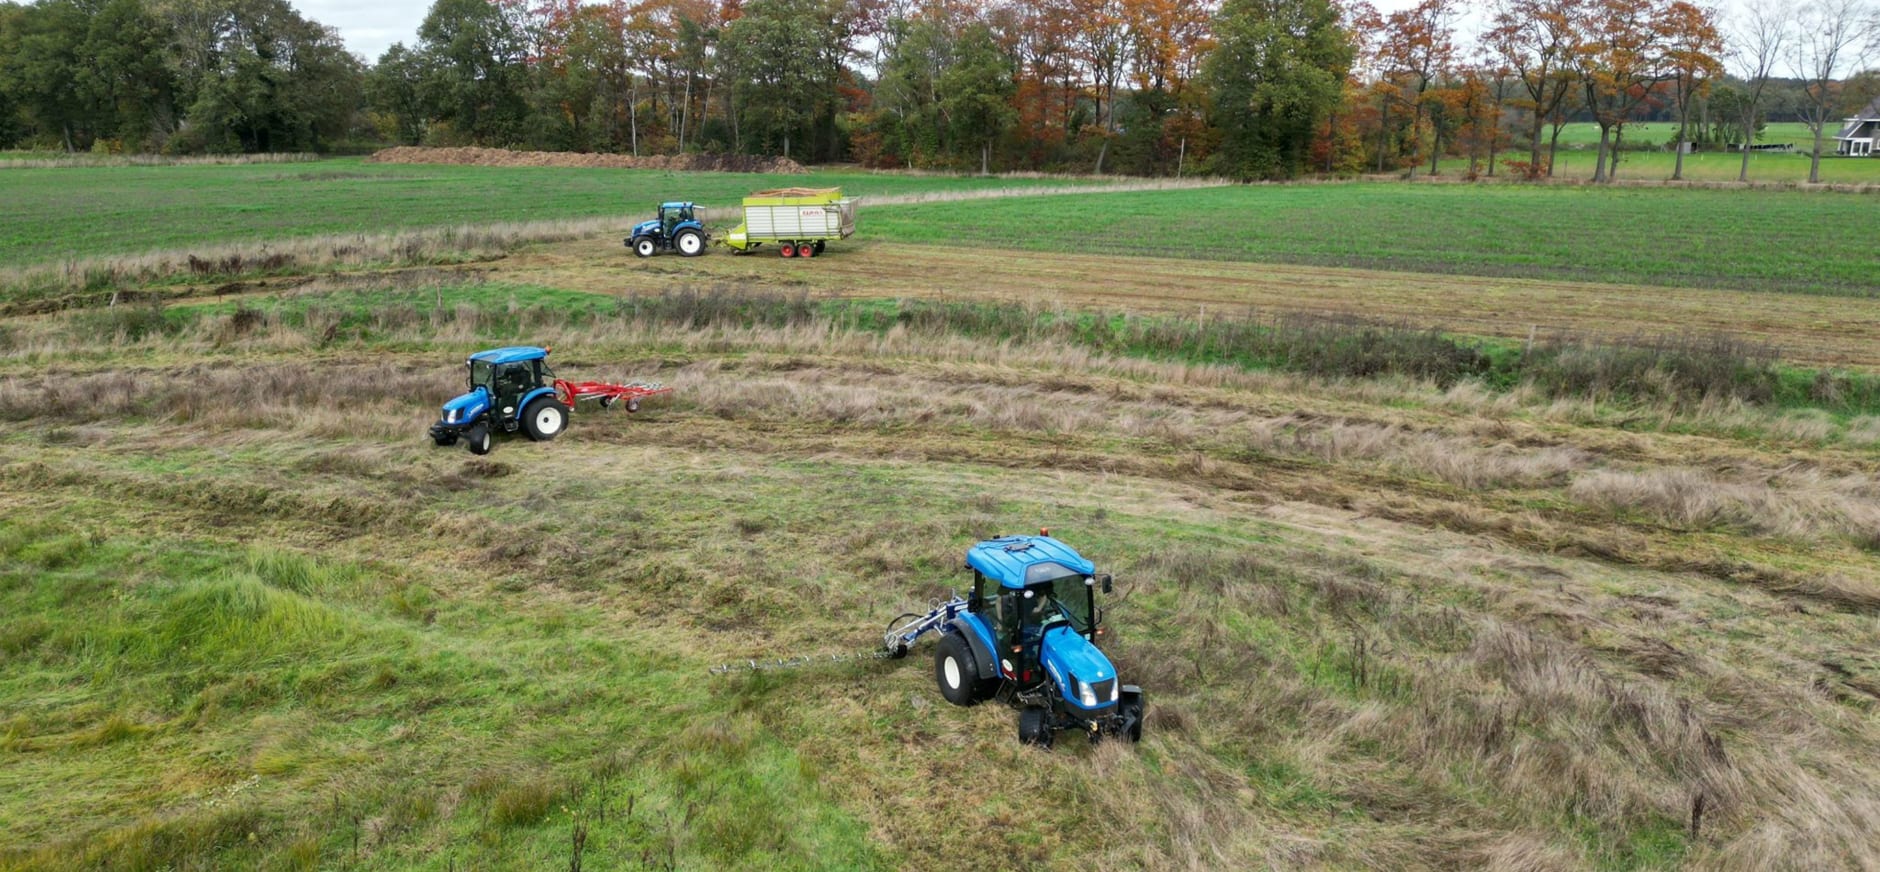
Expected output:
(677, 228)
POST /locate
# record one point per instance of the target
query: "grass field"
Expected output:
(54, 214)
(1544, 589)
(1754, 240)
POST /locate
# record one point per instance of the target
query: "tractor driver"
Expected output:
(670, 219)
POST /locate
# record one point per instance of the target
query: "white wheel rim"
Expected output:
(646, 247)
(689, 244)
(548, 421)
(952, 668)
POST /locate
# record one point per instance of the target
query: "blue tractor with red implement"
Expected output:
(1027, 635)
(513, 389)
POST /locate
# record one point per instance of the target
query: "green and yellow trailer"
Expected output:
(798, 221)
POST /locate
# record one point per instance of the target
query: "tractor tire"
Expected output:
(545, 419)
(690, 243)
(1033, 727)
(645, 247)
(955, 670)
(478, 438)
(787, 250)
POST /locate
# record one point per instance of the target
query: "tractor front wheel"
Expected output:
(645, 247)
(545, 419)
(1034, 727)
(478, 437)
(956, 671)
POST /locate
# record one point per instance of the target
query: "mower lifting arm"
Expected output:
(910, 627)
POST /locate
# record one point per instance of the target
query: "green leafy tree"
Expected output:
(978, 91)
(478, 80)
(1277, 72)
(395, 89)
(43, 66)
(127, 84)
(782, 57)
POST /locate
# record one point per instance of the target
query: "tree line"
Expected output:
(1247, 88)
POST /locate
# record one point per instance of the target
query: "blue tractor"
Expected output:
(510, 389)
(1027, 635)
(676, 229)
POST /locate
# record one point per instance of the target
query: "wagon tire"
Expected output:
(818, 246)
(690, 243)
(545, 419)
(787, 250)
(807, 249)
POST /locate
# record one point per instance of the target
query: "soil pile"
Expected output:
(500, 157)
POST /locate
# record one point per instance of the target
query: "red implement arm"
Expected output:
(608, 394)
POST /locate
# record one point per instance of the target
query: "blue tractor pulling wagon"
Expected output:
(676, 229)
(513, 389)
(1027, 635)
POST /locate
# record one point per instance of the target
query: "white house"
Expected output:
(1861, 133)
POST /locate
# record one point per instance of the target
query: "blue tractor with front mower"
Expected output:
(1027, 635)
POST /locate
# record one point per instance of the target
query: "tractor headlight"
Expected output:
(1085, 694)
(1116, 690)
(450, 417)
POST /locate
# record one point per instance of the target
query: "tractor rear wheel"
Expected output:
(690, 243)
(956, 671)
(545, 419)
(1033, 727)
(478, 437)
(645, 247)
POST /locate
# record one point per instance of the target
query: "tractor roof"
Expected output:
(675, 205)
(511, 354)
(1014, 561)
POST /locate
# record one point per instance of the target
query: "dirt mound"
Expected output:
(500, 157)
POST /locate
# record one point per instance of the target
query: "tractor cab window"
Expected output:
(670, 217)
(1070, 596)
(481, 373)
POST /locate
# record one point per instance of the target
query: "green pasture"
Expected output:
(57, 213)
(1806, 242)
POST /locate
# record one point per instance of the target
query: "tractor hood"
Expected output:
(646, 227)
(466, 406)
(1071, 658)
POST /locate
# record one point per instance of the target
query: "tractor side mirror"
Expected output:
(1107, 579)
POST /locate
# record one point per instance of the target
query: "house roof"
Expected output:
(1871, 113)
